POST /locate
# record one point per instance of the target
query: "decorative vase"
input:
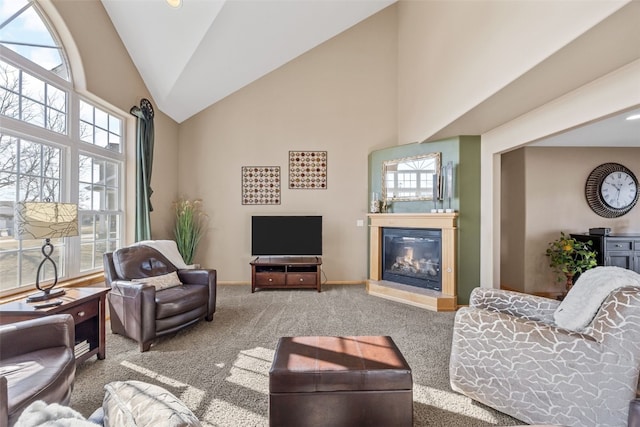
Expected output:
(375, 203)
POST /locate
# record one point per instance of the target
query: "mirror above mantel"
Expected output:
(411, 178)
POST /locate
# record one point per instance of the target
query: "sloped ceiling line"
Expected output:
(193, 56)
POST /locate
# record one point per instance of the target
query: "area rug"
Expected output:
(220, 369)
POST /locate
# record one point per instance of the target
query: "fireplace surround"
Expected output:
(382, 285)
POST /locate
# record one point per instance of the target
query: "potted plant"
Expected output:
(190, 221)
(568, 257)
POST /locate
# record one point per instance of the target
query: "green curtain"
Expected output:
(144, 163)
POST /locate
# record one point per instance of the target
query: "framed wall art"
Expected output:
(261, 185)
(308, 170)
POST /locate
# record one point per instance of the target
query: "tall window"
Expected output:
(54, 145)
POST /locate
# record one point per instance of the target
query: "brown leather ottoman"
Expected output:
(339, 381)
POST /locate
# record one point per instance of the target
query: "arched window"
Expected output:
(55, 145)
(25, 32)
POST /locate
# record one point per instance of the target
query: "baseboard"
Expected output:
(333, 282)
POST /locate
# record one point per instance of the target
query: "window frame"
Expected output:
(72, 147)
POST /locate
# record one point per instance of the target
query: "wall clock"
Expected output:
(612, 190)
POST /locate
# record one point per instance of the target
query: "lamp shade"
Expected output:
(45, 220)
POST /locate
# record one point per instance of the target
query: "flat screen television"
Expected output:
(290, 235)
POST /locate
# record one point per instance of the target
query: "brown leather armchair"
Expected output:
(37, 363)
(141, 312)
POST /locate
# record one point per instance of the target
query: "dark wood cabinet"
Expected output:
(86, 305)
(286, 272)
(620, 250)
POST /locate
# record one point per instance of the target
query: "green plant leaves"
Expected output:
(569, 256)
(190, 221)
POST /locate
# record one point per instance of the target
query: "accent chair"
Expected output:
(151, 297)
(37, 363)
(509, 353)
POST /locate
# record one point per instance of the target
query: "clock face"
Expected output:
(618, 190)
(612, 190)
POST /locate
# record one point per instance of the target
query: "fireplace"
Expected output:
(412, 256)
(427, 253)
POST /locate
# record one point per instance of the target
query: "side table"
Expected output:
(86, 305)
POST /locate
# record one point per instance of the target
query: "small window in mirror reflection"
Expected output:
(411, 178)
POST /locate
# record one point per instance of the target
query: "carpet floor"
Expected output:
(220, 369)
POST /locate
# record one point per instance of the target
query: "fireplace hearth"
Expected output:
(412, 256)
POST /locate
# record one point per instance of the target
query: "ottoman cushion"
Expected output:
(339, 382)
(311, 364)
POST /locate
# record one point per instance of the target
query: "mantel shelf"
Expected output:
(414, 220)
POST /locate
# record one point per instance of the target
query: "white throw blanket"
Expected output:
(39, 414)
(169, 249)
(584, 299)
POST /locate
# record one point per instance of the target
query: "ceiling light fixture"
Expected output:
(634, 117)
(174, 3)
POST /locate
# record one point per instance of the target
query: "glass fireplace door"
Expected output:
(412, 257)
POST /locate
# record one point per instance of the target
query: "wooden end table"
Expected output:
(86, 305)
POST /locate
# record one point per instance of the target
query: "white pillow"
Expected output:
(584, 299)
(139, 404)
(161, 282)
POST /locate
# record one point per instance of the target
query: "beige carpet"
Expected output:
(220, 369)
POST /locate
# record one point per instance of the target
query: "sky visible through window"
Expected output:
(23, 31)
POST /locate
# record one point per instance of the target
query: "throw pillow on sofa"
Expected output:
(164, 281)
(140, 404)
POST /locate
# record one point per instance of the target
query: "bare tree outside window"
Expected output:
(31, 100)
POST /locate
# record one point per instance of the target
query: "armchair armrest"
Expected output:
(206, 277)
(530, 307)
(133, 309)
(35, 334)
(197, 276)
(517, 330)
(129, 288)
(494, 343)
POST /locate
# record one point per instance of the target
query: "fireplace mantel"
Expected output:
(425, 298)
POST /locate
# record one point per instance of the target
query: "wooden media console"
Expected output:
(286, 273)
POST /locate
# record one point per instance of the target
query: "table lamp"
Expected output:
(46, 220)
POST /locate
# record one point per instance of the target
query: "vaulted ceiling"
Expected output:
(216, 47)
(195, 55)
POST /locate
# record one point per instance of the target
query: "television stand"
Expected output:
(286, 273)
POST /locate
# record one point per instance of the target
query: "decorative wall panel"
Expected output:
(308, 170)
(261, 185)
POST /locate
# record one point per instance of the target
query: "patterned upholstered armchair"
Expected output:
(508, 353)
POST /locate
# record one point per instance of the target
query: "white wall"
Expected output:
(453, 55)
